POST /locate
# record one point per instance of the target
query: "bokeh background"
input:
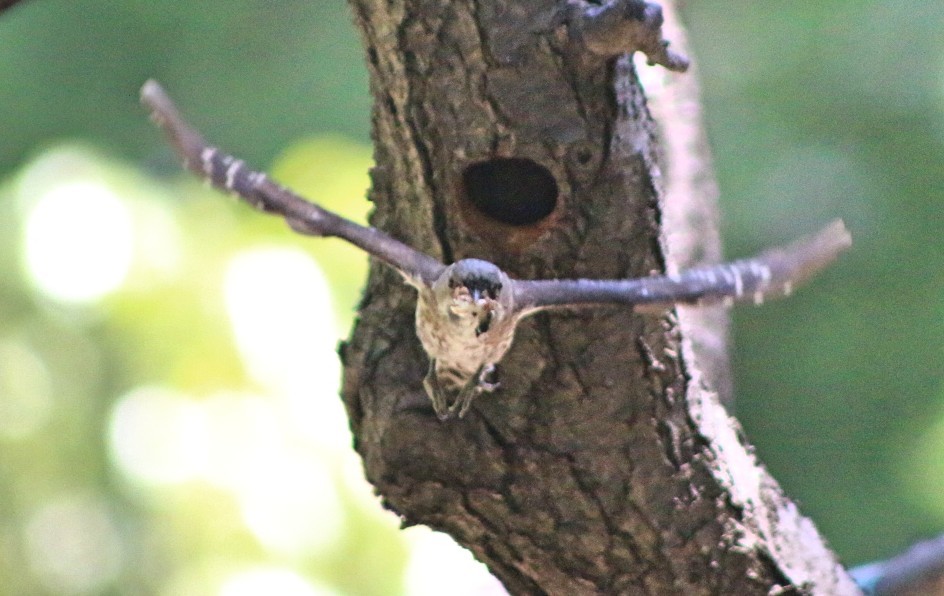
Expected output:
(165, 430)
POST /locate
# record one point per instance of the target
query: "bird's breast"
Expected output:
(458, 342)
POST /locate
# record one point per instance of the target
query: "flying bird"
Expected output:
(467, 312)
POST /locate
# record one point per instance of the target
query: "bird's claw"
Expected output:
(435, 393)
(476, 385)
(484, 385)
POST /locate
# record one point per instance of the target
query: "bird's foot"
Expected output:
(436, 393)
(488, 379)
(478, 384)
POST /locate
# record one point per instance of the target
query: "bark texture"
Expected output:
(604, 463)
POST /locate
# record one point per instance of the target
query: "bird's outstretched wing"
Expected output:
(770, 274)
(232, 175)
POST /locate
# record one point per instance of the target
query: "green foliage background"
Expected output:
(814, 110)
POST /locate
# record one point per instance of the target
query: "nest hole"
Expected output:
(512, 190)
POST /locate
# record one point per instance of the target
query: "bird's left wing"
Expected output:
(232, 175)
(772, 273)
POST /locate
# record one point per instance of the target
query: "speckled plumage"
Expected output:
(466, 322)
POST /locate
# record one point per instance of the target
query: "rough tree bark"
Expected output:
(605, 463)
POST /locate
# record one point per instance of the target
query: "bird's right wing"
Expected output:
(775, 272)
(232, 175)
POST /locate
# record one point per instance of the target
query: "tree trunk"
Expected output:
(604, 463)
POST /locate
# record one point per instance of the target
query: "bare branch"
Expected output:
(467, 313)
(775, 272)
(232, 175)
(919, 570)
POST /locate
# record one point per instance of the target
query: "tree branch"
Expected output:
(917, 571)
(775, 272)
(232, 175)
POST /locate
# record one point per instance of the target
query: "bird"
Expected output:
(467, 312)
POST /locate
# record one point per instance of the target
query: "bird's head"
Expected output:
(473, 290)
